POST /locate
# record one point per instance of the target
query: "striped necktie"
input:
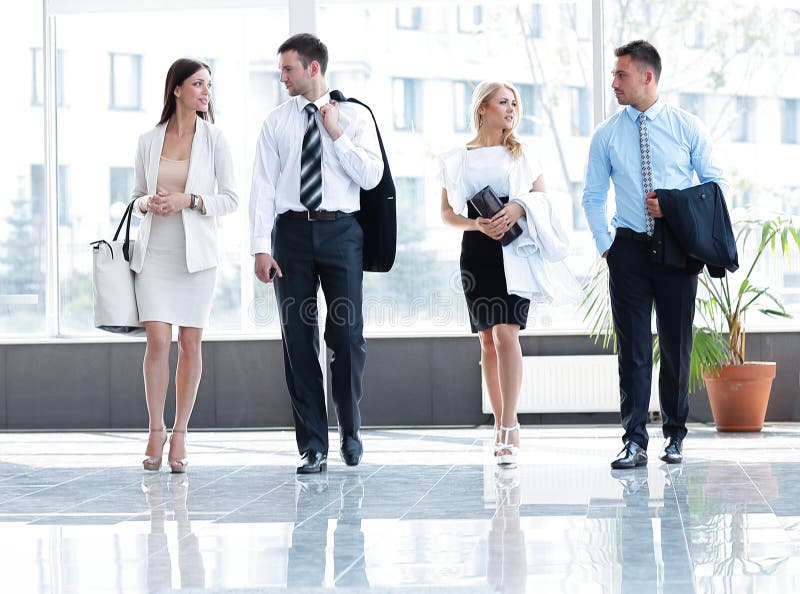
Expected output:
(647, 169)
(311, 162)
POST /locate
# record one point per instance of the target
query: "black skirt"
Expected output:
(484, 282)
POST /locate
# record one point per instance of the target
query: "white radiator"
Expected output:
(573, 384)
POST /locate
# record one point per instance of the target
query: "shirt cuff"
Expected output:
(260, 245)
(604, 243)
(141, 205)
(343, 145)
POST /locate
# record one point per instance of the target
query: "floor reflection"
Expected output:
(316, 504)
(507, 567)
(638, 555)
(167, 495)
(348, 539)
(435, 514)
(734, 535)
(654, 551)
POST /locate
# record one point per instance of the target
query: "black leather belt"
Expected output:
(317, 215)
(631, 234)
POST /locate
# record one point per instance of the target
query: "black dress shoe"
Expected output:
(312, 461)
(351, 450)
(631, 456)
(673, 451)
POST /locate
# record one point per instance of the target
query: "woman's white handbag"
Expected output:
(112, 283)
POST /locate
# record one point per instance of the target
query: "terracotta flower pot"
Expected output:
(739, 395)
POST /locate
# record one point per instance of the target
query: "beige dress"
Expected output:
(165, 289)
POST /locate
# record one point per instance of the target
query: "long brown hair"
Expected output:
(483, 93)
(180, 70)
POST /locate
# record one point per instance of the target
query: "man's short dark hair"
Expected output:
(308, 48)
(642, 53)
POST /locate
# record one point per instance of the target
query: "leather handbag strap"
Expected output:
(126, 220)
(96, 245)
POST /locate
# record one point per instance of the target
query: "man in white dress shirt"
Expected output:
(304, 234)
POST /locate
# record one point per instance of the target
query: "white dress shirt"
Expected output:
(352, 162)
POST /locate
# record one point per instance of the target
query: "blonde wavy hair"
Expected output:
(482, 94)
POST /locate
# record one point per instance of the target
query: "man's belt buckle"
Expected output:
(322, 215)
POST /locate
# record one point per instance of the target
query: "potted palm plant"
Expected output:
(738, 389)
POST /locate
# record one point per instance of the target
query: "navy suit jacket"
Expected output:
(377, 215)
(695, 231)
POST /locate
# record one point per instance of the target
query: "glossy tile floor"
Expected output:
(426, 511)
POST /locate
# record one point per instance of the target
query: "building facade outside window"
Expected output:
(542, 47)
(694, 103)
(581, 111)
(407, 103)
(790, 110)
(535, 22)
(126, 82)
(530, 95)
(120, 183)
(462, 99)
(408, 17)
(693, 35)
(470, 18)
(37, 77)
(744, 126)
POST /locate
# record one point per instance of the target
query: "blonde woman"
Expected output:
(493, 157)
(183, 182)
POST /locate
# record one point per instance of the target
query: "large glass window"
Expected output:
(423, 292)
(714, 65)
(22, 209)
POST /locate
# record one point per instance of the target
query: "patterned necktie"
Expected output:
(311, 162)
(647, 169)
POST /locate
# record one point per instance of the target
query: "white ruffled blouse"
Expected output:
(533, 263)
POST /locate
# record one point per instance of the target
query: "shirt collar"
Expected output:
(302, 101)
(651, 112)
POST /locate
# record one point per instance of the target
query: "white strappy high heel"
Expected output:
(506, 446)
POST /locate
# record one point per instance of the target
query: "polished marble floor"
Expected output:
(426, 511)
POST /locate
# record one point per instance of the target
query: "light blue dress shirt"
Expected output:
(679, 147)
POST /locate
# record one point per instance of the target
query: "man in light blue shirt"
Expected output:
(646, 145)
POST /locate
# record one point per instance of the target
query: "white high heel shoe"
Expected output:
(506, 446)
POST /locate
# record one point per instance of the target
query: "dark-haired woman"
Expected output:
(183, 182)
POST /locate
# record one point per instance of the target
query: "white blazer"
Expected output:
(210, 176)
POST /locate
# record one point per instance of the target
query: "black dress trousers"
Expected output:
(310, 254)
(636, 284)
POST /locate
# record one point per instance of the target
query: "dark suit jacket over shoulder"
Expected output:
(695, 231)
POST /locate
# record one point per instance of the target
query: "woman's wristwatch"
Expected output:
(195, 201)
